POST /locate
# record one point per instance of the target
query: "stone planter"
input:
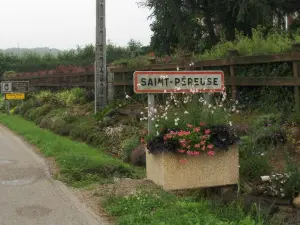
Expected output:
(199, 172)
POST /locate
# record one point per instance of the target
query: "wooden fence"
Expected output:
(120, 79)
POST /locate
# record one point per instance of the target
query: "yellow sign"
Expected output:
(15, 96)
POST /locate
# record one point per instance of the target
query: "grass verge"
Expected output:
(79, 163)
(156, 207)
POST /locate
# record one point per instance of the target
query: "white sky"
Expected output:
(64, 24)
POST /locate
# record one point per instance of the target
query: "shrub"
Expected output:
(128, 146)
(253, 160)
(70, 97)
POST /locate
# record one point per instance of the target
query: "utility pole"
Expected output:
(100, 58)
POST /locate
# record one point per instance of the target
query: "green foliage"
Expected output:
(255, 147)
(79, 163)
(128, 146)
(253, 160)
(292, 186)
(212, 21)
(158, 207)
(82, 56)
(70, 97)
(176, 111)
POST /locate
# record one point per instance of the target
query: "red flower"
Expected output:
(207, 131)
(211, 153)
(210, 146)
(142, 140)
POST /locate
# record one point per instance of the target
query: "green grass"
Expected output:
(162, 208)
(79, 163)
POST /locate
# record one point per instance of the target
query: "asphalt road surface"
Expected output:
(28, 194)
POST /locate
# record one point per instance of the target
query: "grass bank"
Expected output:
(79, 163)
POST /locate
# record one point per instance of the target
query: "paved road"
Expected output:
(29, 196)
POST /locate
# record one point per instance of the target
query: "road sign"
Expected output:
(14, 87)
(6, 87)
(178, 81)
(15, 96)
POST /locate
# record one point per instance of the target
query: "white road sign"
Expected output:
(14, 87)
(6, 87)
(178, 81)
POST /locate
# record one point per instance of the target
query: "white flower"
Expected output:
(156, 125)
(166, 118)
(186, 112)
(142, 113)
(176, 124)
(152, 119)
(177, 68)
(127, 96)
(230, 123)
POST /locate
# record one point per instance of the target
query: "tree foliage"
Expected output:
(196, 25)
(32, 61)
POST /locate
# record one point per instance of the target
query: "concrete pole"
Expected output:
(100, 58)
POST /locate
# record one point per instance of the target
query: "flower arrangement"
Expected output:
(191, 126)
(192, 140)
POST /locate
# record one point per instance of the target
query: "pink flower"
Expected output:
(181, 151)
(197, 129)
(202, 143)
(207, 131)
(142, 140)
(197, 145)
(210, 146)
(196, 153)
(211, 153)
(203, 148)
(190, 153)
(202, 124)
(190, 126)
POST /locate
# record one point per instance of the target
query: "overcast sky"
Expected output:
(64, 24)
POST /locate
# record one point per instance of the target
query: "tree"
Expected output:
(197, 25)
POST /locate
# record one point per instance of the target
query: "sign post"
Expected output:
(14, 90)
(152, 82)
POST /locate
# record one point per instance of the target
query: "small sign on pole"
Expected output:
(14, 90)
(152, 82)
(15, 96)
(14, 87)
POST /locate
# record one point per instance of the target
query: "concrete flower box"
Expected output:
(201, 171)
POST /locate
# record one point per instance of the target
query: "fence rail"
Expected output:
(120, 78)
